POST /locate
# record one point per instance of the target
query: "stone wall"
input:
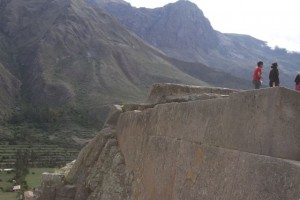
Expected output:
(230, 148)
(237, 145)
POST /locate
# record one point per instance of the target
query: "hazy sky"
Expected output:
(277, 22)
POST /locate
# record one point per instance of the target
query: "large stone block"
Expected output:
(66, 192)
(264, 122)
(52, 179)
(230, 148)
(261, 121)
(171, 168)
(162, 93)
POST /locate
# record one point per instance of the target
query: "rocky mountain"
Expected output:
(179, 29)
(197, 145)
(64, 62)
(74, 51)
(182, 31)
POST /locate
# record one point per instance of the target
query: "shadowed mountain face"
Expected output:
(8, 91)
(63, 62)
(70, 53)
(181, 31)
(9, 83)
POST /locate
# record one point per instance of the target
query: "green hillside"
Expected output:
(64, 63)
(36, 155)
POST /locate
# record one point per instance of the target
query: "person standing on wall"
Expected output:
(274, 75)
(297, 81)
(257, 75)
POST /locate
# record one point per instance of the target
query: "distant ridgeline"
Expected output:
(35, 155)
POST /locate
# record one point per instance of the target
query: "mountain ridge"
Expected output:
(72, 61)
(236, 54)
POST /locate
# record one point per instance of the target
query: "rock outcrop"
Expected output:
(244, 145)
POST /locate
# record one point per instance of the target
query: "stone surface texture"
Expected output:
(241, 145)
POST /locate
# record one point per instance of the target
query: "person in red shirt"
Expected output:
(257, 75)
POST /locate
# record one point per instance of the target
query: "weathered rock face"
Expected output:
(245, 146)
(215, 149)
(164, 93)
(54, 187)
(262, 122)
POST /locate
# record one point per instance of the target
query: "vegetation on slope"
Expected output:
(72, 61)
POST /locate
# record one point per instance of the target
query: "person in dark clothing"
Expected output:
(274, 75)
(297, 81)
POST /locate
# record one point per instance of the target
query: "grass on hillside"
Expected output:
(33, 178)
(6, 186)
(41, 156)
(8, 195)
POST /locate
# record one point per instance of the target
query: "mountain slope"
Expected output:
(182, 31)
(67, 61)
(210, 75)
(179, 29)
(9, 84)
(9, 91)
(80, 53)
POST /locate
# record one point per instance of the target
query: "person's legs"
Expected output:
(256, 84)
